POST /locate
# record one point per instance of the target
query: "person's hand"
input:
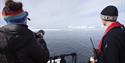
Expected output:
(92, 60)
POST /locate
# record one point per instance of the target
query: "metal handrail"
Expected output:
(62, 57)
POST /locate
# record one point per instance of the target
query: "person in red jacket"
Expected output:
(112, 46)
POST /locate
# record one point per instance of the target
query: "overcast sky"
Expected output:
(46, 14)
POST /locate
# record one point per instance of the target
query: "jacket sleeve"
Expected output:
(111, 49)
(37, 54)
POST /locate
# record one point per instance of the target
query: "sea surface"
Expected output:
(69, 41)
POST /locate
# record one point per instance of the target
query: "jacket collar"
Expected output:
(113, 25)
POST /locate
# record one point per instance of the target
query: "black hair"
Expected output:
(42, 31)
(13, 6)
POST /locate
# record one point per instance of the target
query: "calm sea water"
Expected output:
(78, 41)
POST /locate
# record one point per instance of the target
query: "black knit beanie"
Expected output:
(109, 13)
